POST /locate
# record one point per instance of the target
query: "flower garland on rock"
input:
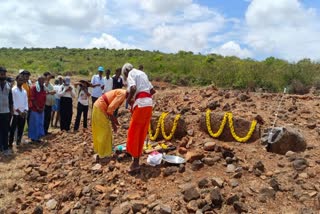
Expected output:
(160, 124)
(229, 116)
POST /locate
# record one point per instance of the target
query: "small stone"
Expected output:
(303, 175)
(259, 165)
(196, 165)
(234, 183)
(192, 206)
(190, 193)
(231, 199)
(138, 206)
(165, 209)
(216, 197)
(240, 207)
(300, 164)
(182, 150)
(290, 154)
(96, 167)
(170, 170)
(230, 168)
(274, 184)
(269, 174)
(209, 146)
(192, 156)
(268, 192)
(237, 175)
(190, 132)
(51, 204)
(38, 210)
(11, 187)
(209, 161)
(203, 183)
(217, 182)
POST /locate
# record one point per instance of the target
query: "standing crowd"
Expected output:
(42, 104)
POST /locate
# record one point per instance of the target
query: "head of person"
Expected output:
(100, 70)
(56, 82)
(20, 80)
(126, 68)
(60, 78)
(85, 83)
(108, 72)
(3, 74)
(67, 81)
(118, 72)
(48, 76)
(141, 67)
(41, 80)
(26, 74)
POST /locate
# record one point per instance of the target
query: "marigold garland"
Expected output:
(174, 127)
(228, 115)
(160, 124)
(155, 136)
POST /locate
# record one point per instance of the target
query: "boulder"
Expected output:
(241, 127)
(180, 132)
(280, 140)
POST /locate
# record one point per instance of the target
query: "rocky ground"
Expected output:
(61, 175)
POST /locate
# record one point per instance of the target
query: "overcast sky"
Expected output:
(287, 29)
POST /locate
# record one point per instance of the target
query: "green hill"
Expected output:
(182, 68)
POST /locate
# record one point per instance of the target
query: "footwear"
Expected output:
(7, 152)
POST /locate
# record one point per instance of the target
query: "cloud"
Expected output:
(283, 28)
(163, 6)
(231, 48)
(110, 42)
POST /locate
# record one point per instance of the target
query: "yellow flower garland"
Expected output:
(160, 124)
(249, 134)
(228, 115)
(174, 127)
(155, 136)
(220, 130)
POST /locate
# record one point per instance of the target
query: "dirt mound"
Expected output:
(61, 175)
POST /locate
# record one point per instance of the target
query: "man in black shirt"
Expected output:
(117, 83)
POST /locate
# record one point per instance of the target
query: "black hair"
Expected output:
(46, 73)
(19, 75)
(3, 69)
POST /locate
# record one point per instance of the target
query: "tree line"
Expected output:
(182, 68)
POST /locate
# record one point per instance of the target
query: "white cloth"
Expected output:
(83, 98)
(108, 83)
(142, 83)
(56, 88)
(20, 100)
(63, 93)
(97, 91)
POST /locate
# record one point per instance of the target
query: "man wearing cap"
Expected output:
(6, 109)
(50, 100)
(66, 94)
(140, 99)
(97, 84)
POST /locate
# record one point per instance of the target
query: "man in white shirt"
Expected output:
(20, 106)
(97, 84)
(108, 82)
(83, 103)
(140, 99)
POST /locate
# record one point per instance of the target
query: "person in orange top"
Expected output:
(103, 120)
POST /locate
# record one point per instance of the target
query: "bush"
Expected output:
(84, 72)
(297, 87)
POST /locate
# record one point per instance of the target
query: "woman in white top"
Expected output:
(83, 103)
(20, 106)
(66, 94)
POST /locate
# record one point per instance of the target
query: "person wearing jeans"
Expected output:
(20, 106)
(6, 108)
(83, 104)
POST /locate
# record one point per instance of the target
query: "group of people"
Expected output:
(41, 103)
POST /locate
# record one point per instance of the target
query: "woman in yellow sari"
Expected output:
(103, 120)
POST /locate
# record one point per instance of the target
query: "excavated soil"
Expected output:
(61, 175)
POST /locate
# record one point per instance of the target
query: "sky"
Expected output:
(257, 29)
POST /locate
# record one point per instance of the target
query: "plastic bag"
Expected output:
(154, 159)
